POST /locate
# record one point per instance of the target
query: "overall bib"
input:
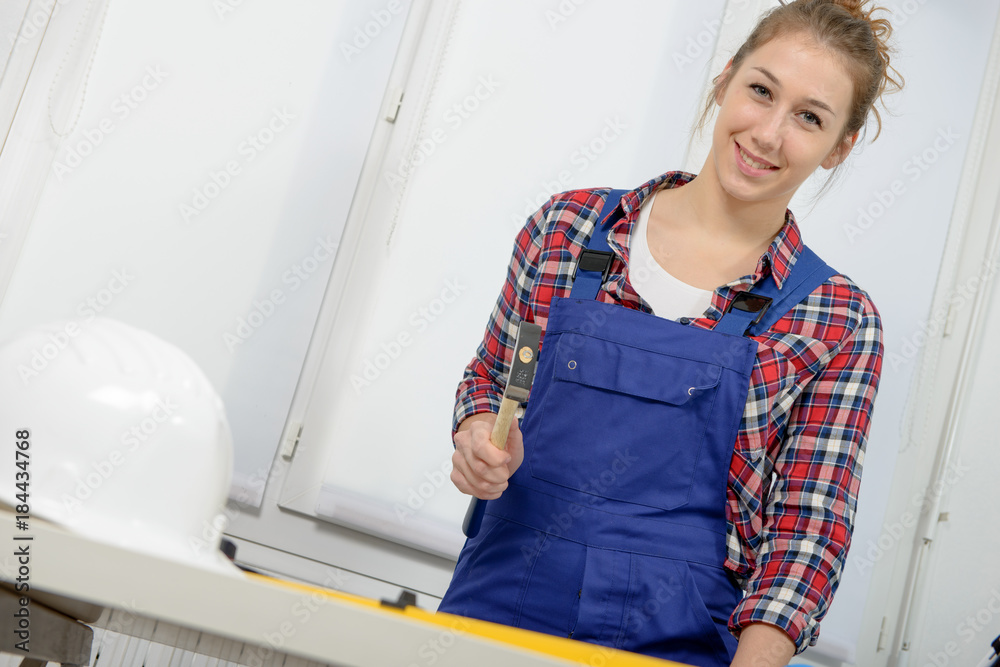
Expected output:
(613, 530)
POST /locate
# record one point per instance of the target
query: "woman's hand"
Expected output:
(479, 468)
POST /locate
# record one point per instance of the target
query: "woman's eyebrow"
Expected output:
(811, 100)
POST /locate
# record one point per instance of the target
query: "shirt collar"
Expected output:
(776, 261)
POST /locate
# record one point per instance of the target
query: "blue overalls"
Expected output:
(613, 530)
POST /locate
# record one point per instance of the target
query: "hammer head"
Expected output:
(522, 370)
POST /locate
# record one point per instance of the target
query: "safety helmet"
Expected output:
(127, 441)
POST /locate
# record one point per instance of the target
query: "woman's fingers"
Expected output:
(479, 468)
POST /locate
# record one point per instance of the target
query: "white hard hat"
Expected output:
(127, 441)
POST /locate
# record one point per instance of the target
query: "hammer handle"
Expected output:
(501, 427)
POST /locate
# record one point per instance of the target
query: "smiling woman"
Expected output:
(864, 58)
(740, 369)
(782, 115)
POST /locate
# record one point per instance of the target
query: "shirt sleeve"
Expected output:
(809, 516)
(481, 388)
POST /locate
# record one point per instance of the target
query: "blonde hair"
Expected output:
(846, 27)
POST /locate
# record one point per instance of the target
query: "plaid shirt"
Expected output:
(796, 467)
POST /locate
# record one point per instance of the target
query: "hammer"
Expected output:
(522, 372)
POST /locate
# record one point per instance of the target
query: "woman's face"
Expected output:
(781, 116)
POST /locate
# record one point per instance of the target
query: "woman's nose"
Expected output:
(767, 132)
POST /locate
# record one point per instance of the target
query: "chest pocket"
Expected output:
(619, 422)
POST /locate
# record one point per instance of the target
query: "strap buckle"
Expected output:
(748, 302)
(595, 260)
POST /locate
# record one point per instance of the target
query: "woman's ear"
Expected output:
(722, 81)
(840, 153)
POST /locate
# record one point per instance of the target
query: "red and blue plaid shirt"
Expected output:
(796, 467)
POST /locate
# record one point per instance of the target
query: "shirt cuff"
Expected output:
(784, 615)
(477, 398)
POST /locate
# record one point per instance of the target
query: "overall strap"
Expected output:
(756, 310)
(594, 264)
(750, 312)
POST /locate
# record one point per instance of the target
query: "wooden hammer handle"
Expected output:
(502, 425)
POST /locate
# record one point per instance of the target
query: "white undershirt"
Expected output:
(667, 296)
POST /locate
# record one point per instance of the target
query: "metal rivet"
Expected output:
(691, 391)
(571, 364)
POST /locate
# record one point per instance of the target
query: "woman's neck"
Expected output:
(704, 237)
(705, 204)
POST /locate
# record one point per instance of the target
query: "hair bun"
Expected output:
(881, 27)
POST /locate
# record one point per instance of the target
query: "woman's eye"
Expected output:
(812, 118)
(760, 90)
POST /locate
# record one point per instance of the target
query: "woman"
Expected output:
(697, 424)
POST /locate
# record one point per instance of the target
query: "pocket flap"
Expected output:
(628, 370)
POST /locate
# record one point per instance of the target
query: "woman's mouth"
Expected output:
(751, 164)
